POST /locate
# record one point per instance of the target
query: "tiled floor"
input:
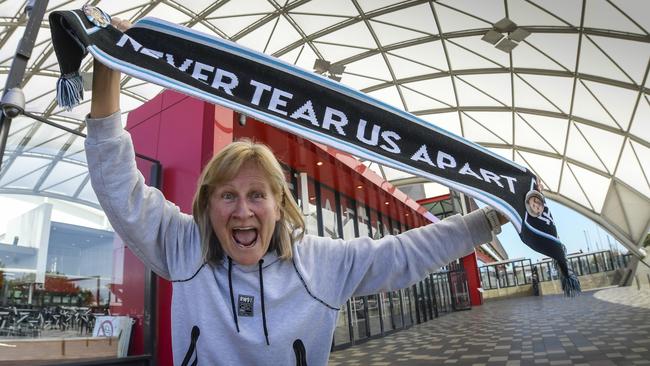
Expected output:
(604, 327)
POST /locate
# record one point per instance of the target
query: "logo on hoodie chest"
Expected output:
(245, 305)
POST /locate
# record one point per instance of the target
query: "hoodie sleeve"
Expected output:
(155, 229)
(338, 269)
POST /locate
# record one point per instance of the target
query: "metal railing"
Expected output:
(506, 274)
(585, 264)
(521, 271)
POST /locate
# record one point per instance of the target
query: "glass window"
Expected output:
(342, 330)
(385, 223)
(407, 300)
(330, 213)
(408, 221)
(386, 312)
(360, 325)
(349, 218)
(402, 223)
(373, 314)
(293, 182)
(309, 208)
(443, 292)
(422, 301)
(429, 294)
(395, 227)
(363, 220)
(397, 309)
(375, 230)
(359, 313)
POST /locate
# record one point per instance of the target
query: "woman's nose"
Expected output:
(242, 209)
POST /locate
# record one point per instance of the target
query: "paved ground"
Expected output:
(604, 327)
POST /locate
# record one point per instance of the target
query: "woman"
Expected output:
(248, 286)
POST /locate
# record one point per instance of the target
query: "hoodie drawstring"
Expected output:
(232, 296)
(232, 299)
(266, 332)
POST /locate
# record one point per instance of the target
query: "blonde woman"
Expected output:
(249, 287)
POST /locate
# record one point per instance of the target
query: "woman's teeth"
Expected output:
(245, 236)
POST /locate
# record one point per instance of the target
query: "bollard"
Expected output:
(638, 284)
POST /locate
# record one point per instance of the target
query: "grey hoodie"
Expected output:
(263, 314)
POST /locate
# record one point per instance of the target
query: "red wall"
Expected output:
(473, 278)
(179, 132)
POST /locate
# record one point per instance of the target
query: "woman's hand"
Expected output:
(121, 24)
(106, 83)
(503, 219)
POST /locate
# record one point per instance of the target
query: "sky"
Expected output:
(575, 230)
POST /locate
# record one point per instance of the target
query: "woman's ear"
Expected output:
(278, 212)
(279, 207)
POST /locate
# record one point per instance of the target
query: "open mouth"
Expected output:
(246, 237)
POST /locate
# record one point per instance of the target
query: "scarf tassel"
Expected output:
(69, 91)
(570, 283)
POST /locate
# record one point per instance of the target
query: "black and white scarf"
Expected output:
(305, 104)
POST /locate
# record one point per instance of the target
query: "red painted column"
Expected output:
(473, 278)
(182, 133)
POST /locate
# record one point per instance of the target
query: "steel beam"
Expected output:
(19, 64)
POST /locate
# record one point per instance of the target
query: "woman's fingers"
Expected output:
(502, 218)
(121, 24)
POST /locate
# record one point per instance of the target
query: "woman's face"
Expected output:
(243, 213)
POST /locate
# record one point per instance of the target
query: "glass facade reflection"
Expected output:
(62, 267)
(348, 218)
(330, 211)
(333, 214)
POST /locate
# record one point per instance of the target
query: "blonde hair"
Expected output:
(223, 167)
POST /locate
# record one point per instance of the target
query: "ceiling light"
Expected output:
(496, 36)
(337, 69)
(321, 66)
(359, 186)
(519, 34)
(506, 45)
(386, 203)
(319, 163)
(326, 68)
(492, 36)
(505, 25)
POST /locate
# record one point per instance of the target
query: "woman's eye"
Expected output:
(227, 196)
(257, 195)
